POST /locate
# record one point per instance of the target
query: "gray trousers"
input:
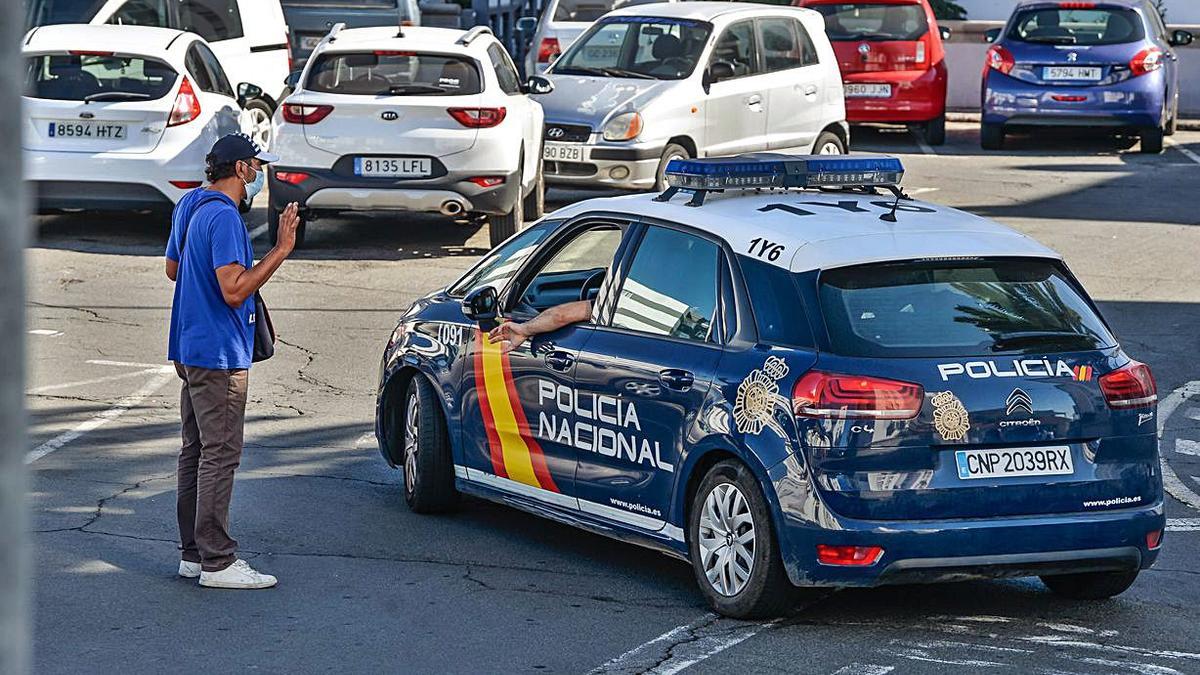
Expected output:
(212, 406)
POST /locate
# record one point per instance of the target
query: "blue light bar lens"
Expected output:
(767, 170)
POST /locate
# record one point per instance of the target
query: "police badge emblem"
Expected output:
(758, 397)
(950, 417)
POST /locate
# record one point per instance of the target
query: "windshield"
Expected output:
(47, 12)
(75, 77)
(875, 22)
(1053, 25)
(957, 309)
(637, 47)
(586, 11)
(392, 73)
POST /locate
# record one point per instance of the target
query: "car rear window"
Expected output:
(957, 308)
(873, 21)
(778, 311)
(588, 11)
(97, 77)
(394, 73)
(1059, 26)
(47, 12)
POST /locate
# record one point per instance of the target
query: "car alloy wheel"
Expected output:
(411, 443)
(727, 539)
(830, 149)
(260, 125)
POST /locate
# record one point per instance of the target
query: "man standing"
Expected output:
(210, 259)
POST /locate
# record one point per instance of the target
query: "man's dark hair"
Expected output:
(215, 172)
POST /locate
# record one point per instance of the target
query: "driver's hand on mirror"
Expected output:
(509, 334)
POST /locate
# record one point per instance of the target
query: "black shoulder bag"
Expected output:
(264, 330)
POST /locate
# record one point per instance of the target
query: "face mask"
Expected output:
(255, 186)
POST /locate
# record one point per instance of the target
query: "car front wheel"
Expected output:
(991, 136)
(828, 143)
(672, 151)
(428, 464)
(733, 549)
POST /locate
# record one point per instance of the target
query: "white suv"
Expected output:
(120, 117)
(432, 119)
(651, 83)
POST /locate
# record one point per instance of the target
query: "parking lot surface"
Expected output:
(366, 585)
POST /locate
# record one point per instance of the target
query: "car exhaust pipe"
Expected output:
(452, 208)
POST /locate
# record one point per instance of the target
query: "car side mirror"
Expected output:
(991, 35)
(717, 71)
(944, 32)
(538, 85)
(293, 79)
(247, 92)
(527, 24)
(1181, 38)
(481, 304)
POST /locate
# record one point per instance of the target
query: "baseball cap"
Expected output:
(236, 147)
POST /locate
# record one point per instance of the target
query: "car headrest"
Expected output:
(64, 66)
(360, 60)
(1119, 29)
(778, 42)
(667, 46)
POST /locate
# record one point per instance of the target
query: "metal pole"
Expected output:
(14, 223)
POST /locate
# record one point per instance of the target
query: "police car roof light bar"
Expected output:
(772, 170)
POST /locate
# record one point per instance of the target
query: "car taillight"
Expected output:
(292, 177)
(820, 394)
(1077, 5)
(478, 118)
(486, 181)
(849, 556)
(1130, 386)
(999, 58)
(1154, 539)
(187, 105)
(1146, 61)
(548, 49)
(185, 184)
(305, 114)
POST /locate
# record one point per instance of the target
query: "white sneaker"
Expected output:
(189, 570)
(237, 575)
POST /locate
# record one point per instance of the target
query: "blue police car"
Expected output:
(790, 375)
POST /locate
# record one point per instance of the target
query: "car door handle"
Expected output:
(753, 100)
(560, 360)
(674, 378)
(810, 90)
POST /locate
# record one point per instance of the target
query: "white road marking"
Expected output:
(925, 656)
(1175, 487)
(925, 147)
(96, 380)
(1186, 153)
(1185, 447)
(1144, 668)
(258, 231)
(686, 656)
(128, 364)
(921, 190)
(1183, 524)
(683, 655)
(1064, 641)
(45, 332)
(120, 408)
(864, 669)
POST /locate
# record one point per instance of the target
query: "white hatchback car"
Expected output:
(432, 120)
(120, 117)
(562, 22)
(652, 83)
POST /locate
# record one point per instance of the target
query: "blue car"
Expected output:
(822, 384)
(1107, 64)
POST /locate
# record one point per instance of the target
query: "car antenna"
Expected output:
(895, 190)
(400, 22)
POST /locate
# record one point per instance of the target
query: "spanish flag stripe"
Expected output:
(485, 409)
(536, 456)
(517, 460)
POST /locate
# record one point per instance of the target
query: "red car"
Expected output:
(892, 61)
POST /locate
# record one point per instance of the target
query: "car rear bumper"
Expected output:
(917, 96)
(1134, 103)
(109, 181)
(626, 167)
(327, 191)
(56, 195)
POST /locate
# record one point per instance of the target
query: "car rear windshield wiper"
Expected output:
(116, 96)
(418, 89)
(1005, 341)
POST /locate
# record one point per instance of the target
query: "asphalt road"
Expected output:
(367, 586)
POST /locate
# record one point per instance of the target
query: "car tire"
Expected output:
(672, 151)
(1090, 585)
(828, 143)
(260, 112)
(273, 227)
(425, 446)
(535, 201)
(1152, 141)
(991, 136)
(935, 131)
(730, 491)
(505, 226)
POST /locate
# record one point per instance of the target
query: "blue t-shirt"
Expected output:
(205, 331)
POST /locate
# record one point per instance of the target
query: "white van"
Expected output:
(250, 38)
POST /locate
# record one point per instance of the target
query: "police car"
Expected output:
(792, 376)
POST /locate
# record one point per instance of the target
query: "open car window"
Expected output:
(575, 271)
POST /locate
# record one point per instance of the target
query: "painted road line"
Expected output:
(689, 654)
(128, 364)
(45, 332)
(921, 190)
(97, 380)
(120, 408)
(864, 669)
(1183, 524)
(684, 646)
(925, 147)
(1186, 153)
(1175, 487)
(1185, 447)
(258, 231)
